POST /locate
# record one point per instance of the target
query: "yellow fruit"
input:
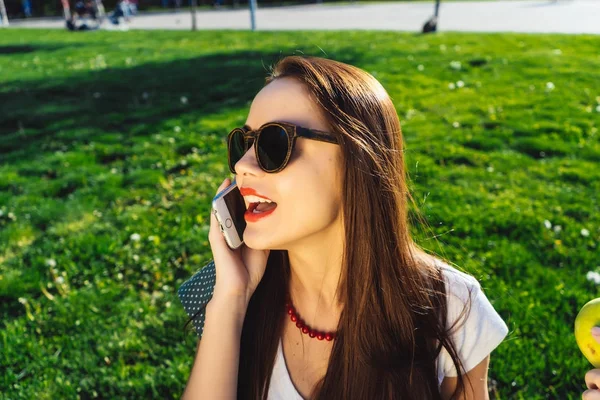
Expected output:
(588, 317)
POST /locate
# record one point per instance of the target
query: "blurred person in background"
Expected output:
(26, 8)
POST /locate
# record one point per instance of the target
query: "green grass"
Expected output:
(96, 145)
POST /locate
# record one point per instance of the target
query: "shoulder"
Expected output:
(460, 286)
(474, 325)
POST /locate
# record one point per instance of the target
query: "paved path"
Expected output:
(563, 16)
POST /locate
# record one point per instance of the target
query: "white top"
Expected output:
(482, 332)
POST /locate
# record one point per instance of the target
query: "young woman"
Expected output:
(329, 297)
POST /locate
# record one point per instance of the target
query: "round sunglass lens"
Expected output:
(272, 147)
(237, 147)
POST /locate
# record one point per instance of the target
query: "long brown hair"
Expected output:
(393, 323)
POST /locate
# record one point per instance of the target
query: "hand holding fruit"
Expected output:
(588, 317)
(592, 378)
(587, 335)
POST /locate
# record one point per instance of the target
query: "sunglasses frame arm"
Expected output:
(315, 135)
(299, 131)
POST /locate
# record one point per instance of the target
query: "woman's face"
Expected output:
(308, 190)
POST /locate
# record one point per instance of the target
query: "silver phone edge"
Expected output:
(230, 234)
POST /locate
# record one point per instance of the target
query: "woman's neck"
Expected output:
(315, 272)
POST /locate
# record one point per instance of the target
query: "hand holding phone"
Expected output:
(239, 268)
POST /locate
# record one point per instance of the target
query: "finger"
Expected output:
(596, 333)
(592, 379)
(591, 395)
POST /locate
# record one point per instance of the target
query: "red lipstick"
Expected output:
(245, 191)
(251, 216)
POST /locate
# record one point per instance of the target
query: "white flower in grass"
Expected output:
(60, 280)
(184, 100)
(171, 140)
(451, 86)
(490, 169)
(598, 108)
(585, 232)
(177, 129)
(548, 224)
(119, 276)
(113, 171)
(135, 237)
(420, 67)
(460, 84)
(50, 262)
(136, 258)
(456, 65)
(550, 86)
(593, 276)
(456, 124)
(411, 113)
(557, 228)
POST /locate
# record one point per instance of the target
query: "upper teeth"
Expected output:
(256, 199)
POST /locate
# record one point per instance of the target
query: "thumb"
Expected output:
(596, 333)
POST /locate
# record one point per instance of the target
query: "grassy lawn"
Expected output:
(112, 145)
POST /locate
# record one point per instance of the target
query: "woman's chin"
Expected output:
(253, 240)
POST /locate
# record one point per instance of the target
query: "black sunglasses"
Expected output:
(274, 143)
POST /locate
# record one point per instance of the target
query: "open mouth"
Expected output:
(258, 211)
(259, 208)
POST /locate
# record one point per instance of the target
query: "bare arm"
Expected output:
(214, 374)
(478, 377)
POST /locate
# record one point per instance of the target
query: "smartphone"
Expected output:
(229, 208)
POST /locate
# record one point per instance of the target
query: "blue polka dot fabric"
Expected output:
(196, 292)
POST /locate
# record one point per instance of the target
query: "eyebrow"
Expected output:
(247, 127)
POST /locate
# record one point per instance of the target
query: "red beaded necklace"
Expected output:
(329, 336)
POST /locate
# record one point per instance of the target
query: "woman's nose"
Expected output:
(248, 163)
